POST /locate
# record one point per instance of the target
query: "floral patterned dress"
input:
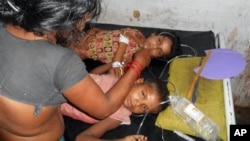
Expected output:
(103, 45)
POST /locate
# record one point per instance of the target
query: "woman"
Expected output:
(36, 76)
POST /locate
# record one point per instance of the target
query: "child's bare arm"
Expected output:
(120, 53)
(123, 43)
(101, 69)
(94, 132)
(97, 130)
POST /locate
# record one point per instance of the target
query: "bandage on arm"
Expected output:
(123, 42)
(123, 39)
(117, 64)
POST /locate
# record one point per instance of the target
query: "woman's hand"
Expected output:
(134, 138)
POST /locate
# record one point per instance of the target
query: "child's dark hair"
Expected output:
(162, 90)
(70, 40)
(176, 47)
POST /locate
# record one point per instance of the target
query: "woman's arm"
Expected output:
(88, 96)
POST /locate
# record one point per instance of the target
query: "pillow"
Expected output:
(210, 97)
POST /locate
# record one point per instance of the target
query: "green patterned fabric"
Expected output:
(210, 97)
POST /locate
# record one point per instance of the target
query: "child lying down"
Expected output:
(144, 97)
(115, 48)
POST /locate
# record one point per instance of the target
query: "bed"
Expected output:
(193, 42)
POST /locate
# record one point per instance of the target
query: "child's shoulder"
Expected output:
(131, 31)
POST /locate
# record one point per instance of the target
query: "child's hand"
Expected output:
(118, 72)
(134, 138)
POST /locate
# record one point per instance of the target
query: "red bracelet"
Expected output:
(136, 70)
(136, 66)
(139, 64)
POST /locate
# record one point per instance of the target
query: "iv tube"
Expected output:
(139, 129)
(163, 102)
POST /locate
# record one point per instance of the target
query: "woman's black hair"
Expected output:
(47, 15)
(161, 88)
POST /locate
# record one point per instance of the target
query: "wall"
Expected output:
(231, 17)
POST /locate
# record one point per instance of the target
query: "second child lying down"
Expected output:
(144, 97)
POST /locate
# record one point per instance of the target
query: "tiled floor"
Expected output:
(242, 115)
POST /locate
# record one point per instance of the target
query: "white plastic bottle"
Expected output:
(201, 124)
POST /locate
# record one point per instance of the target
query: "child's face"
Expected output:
(159, 45)
(142, 98)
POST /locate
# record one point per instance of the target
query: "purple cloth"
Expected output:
(223, 63)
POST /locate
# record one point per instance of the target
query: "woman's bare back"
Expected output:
(19, 123)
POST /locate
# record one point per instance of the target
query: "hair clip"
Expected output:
(13, 6)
